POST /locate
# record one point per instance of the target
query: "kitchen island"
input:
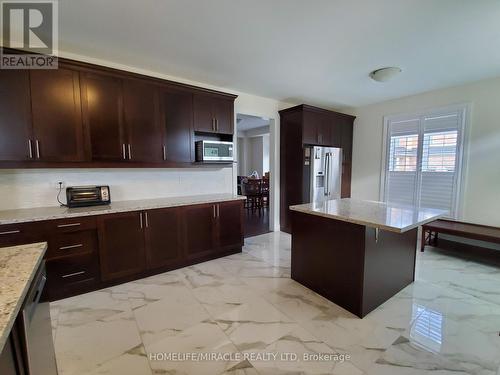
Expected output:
(356, 253)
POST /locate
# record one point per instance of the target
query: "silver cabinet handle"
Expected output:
(146, 218)
(73, 274)
(140, 219)
(376, 235)
(218, 210)
(68, 225)
(10, 232)
(216, 124)
(124, 154)
(70, 247)
(215, 215)
(129, 152)
(164, 153)
(37, 146)
(30, 148)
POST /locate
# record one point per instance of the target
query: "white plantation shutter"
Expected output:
(423, 159)
(402, 161)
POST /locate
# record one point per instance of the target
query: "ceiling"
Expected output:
(318, 52)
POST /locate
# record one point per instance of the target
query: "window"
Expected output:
(423, 159)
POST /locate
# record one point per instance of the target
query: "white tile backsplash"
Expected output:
(25, 188)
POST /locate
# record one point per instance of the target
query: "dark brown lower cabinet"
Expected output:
(229, 224)
(200, 230)
(213, 228)
(121, 245)
(163, 237)
(88, 253)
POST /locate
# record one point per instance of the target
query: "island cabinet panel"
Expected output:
(213, 114)
(229, 224)
(102, 107)
(122, 246)
(141, 114)
(15, 116)
(56, 112)
(327, 256)
(163, 237)
(200, 236)
(176, 108)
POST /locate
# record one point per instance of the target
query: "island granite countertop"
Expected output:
(393, 218)
(25, 215)
(18, 266)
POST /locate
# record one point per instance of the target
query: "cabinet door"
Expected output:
(177, 121)
(199, 230)
(229, 224)
(121, 240)
(102, 114)
(345, 190)
(140, 103)
(15, 115)
(310, 123)
(163, 237)
(57, 119)
(223, 112)
(325, 130)
(204, 119)
(346, 143)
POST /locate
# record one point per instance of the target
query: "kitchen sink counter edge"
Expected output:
(25, 215)
(18, 266)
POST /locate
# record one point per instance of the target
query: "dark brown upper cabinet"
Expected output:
(15, 116)
(176, 108)
(83, 115)
(142, 122)
(57, 116)
(213, 114)
(102, 106)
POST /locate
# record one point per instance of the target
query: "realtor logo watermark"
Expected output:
(32, 28)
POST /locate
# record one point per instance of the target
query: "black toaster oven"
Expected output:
(83, 196)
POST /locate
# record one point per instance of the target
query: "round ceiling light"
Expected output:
(385, 74)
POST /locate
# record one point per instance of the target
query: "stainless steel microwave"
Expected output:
(214, 151)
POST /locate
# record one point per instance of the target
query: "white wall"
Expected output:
(481, 198)
(38, 188)
(34, 188)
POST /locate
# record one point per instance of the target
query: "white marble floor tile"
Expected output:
(447, 322)
(205, 337)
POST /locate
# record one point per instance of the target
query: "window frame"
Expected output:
(462, 151)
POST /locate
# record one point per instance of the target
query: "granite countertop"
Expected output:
(18, 266)
(50, 213)
(373, 214)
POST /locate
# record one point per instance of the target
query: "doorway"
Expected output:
(253, 170)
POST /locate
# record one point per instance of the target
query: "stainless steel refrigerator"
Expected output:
(322, 167)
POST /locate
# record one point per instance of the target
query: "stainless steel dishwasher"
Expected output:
(36, 330)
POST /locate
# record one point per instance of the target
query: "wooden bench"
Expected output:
(480, 232)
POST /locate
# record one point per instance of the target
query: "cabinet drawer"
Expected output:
(71, 224)
(72, 243)
(18, 234)
(62, 272)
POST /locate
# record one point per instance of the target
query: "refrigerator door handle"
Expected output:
(327, 174)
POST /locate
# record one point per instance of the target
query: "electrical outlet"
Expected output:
(59, 185)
